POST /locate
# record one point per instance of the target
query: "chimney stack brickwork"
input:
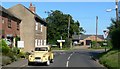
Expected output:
(32, 8)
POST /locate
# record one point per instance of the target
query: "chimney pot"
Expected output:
(32, 8)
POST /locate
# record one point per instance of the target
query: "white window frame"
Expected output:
(44, 42)
(36, 26)
(41, 28)
(36, 43)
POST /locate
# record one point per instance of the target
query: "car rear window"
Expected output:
(41, 49)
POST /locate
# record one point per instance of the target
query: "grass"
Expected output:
(110, 59)
(101, 47)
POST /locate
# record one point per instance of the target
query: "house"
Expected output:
(32, 27)
(85, 40)
(9, 25)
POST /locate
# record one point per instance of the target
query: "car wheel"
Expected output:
(29, 63)
(48, 63)
(51, 61)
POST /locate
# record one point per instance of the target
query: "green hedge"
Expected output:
(115, 34)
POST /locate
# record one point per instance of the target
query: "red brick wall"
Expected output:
(13, 30)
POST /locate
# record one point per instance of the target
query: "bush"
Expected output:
(15, 50)
(93, 43)
(0, 46)
(12, 56)
(5, 48)
(115, 38)
(21, 55)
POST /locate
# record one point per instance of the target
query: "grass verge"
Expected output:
(110, 59)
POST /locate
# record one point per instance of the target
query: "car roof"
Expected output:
(43, 46)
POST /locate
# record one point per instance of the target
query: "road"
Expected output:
(73, 58)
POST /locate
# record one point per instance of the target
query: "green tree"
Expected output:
(114, 32)
(58, 26)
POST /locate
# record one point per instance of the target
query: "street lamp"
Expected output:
(116, 8)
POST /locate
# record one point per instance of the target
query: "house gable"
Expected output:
(20, 11)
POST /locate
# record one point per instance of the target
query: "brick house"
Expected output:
(32, 27)
(85, 40)
(9, 25)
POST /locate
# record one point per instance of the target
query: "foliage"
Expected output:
(114, 32)
(58, 26)
(0, 46)
(21, 55)
(9, 54)
(114, 38)
(5, 48)
(16, 39)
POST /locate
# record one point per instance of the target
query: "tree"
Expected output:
(114, 34)
(58, 26)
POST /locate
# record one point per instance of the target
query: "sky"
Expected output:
(84, 12)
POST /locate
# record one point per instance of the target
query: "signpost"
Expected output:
(60, 41)
(20, 44)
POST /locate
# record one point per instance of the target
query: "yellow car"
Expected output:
(42, 54)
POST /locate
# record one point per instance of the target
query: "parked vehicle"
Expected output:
(42, 54)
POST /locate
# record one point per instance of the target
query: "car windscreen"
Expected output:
(41, 49)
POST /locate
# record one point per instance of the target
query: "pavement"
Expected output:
(72, 58)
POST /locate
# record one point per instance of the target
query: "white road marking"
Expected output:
(69, 59)
(67, 63)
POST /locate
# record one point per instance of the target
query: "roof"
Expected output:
(82, 37)
(36, 16)
(2, 9)
(76, 37)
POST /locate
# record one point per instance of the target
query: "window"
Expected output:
(41, 49)
(35, 42)
(41, 42)
(36, 27)
(44, 42)
(3, 20)
(38, 42)
(41, 27)
(9, 23)
(17, 26)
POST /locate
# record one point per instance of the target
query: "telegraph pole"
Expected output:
(96, 29)
(68, 26)
(117, 17)
(69, 32)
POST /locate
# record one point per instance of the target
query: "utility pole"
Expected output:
(68, 26)
(96, 29)
(117, 17)
(68, 31)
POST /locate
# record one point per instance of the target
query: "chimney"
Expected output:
(32, 8)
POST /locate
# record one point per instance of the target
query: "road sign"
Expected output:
(20, 44)
(60, 40)
(105, 44)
